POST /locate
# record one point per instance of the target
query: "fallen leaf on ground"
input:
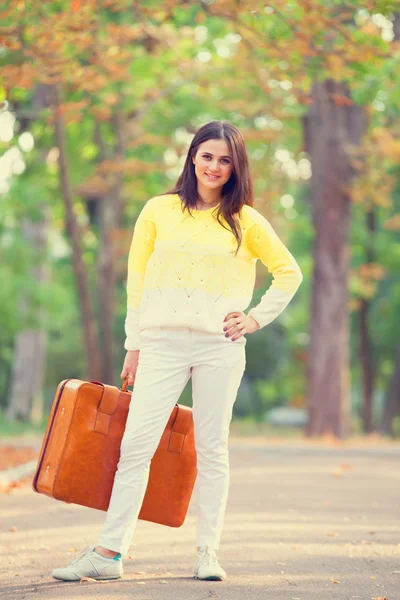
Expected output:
(91, 580)
(13, 529)
(379, 598)
(163, 581)
(334, 581)
(333, 534)
(9, 487)
(371, 532)
(141, 583)
(395, 572)
(12, 457)
(340, 469)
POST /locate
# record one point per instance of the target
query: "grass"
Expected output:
(11, 429)
(248, 427)
(239, 427)
(243, 427)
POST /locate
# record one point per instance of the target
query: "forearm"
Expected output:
(285, 271)
(273, 302)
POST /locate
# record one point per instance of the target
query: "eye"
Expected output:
(206, 156)
(226, 161)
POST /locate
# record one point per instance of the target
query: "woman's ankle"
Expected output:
(105, 552)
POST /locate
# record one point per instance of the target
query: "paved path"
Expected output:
(303, 523)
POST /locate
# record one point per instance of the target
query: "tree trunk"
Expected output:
(329, 127)
(28, 369)
(366, 367)
(106, 282)
(366, 356)
(110, 217)
(392, 399)
(27, 376)
(90, 337)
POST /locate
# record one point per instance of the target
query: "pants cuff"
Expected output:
(114, 545)
(208, 542)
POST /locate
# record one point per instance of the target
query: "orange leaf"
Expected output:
(341, 100)
(393, 223)
(90, 580)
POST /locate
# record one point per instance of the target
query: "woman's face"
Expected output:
(213, 163)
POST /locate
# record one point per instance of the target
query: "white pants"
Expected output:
(168, 357)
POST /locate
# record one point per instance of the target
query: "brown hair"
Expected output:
(236, 192)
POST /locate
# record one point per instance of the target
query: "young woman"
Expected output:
(191, 273)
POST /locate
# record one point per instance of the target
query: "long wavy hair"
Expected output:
(236, 192)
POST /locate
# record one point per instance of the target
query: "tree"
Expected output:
(322, 48)
(328, 363)
(74, 69)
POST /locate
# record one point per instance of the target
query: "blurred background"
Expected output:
(100, 100)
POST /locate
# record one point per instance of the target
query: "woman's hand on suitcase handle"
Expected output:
(237, 324)
(130, 366)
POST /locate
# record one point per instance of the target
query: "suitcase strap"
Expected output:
(108, 402)
(180, 428)
(107, 406)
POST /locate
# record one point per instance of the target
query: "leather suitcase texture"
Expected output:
(81, 447)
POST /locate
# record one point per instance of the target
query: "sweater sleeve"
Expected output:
(264, 244)
(142, 246)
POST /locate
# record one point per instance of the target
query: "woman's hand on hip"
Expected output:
(130, 366)
(237, 324)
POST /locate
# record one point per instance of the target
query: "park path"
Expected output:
(304, 522)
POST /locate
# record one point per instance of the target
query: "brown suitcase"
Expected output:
(81, 447)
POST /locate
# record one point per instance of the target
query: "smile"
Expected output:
(212, 177)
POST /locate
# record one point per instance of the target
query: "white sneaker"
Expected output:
(90, 564)
(207, 567)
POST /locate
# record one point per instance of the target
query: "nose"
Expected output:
(213, 166)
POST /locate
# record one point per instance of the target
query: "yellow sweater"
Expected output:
(182, 272)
